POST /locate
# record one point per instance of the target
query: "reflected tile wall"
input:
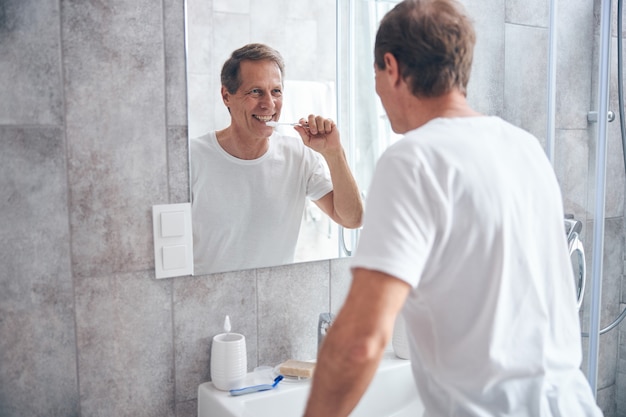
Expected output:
(92, 134)
(219, 27)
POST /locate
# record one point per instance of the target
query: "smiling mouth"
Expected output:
(263, 119)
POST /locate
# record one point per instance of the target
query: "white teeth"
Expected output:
(264, 118)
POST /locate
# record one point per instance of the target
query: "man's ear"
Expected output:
(391, 68)
(225, 96)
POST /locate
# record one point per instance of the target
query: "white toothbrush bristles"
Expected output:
(276, 124)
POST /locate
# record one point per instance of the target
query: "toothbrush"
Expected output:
(256, 388)
(276, 124)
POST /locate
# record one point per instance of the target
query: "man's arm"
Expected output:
(355, 343)
(343, 204)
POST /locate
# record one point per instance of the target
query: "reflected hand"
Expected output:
(320, 134)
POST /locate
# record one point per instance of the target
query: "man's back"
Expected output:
(472, 218)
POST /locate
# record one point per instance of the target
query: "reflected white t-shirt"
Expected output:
(468, 212)
(247, 213)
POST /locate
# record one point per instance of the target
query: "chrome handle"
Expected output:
(576, 246)
(592, 116)
(342, 242)
(324, 323)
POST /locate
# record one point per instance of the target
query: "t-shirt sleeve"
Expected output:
(400, 218)
(319, 182)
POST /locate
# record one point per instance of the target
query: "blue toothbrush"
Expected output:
(256, 388)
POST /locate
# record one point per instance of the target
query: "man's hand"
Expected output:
(320, 134)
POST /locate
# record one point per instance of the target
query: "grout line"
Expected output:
(68, 207)
(172, 322)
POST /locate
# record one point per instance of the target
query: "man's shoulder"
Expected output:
(202, 141)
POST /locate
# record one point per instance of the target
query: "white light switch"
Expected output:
(173, 240)
(173, 224)
(174, 257)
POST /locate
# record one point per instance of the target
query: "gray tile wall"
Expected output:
(93, 133)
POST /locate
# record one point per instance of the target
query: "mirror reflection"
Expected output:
(308, 86)
(250, 183)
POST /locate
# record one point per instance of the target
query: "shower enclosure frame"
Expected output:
(600, 194)
(600, 169)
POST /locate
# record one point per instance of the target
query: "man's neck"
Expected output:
(247, 149)
(420, 111)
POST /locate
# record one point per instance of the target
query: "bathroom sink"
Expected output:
(392, 393)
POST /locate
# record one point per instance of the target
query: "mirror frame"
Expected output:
(208, 47)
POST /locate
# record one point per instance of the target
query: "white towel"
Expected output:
(301, 98)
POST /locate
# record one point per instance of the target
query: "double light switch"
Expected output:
(173, 241)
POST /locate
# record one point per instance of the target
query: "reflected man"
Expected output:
(250, 183)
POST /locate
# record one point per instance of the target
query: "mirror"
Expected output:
(318, 79)
(215, 29)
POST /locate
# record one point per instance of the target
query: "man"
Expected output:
(464, 236)
(250, 184)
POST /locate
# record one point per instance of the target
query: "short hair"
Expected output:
(433, 42)
(231, 73)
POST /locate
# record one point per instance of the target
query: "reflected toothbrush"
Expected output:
(276, 124)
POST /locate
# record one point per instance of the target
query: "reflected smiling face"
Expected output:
(259, 99)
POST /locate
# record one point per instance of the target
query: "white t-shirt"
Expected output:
(469, 213)
(247, 213)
